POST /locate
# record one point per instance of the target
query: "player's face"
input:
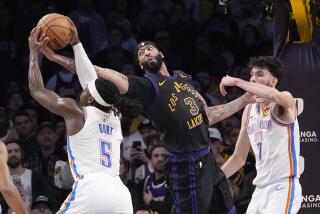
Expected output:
(263, 76)
(150, 59)
(157, 159)
(14, 155)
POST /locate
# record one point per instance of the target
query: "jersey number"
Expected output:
(194, 110)
(105, 153)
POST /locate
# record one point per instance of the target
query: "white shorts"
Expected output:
(282, 197)
(99, 195)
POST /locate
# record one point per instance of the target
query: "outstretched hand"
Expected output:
(226, 81)
(37, 40)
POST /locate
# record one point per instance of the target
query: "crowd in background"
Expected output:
(203, 38)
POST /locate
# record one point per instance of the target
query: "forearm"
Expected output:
(65, 62)
(260, 90)
(232, 165)
(13, 199)
(34, 74)
(120, 80)
(220, 112)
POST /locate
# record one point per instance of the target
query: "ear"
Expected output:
(161, 54)
(274, 81)
(90, 100)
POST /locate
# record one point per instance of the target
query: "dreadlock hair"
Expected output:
(271, 63)
(110, 94)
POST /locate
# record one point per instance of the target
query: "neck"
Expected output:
(163, 70)
(17, 171)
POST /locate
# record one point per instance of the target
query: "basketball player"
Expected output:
(94, 137)
(179, 112)
(7, 188)
(272, 129)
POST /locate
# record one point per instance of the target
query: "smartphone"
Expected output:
(136, 144)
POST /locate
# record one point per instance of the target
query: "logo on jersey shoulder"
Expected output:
(266, 112)
(161, 83)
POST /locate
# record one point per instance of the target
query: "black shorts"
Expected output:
(198, 185)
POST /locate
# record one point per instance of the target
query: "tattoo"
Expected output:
(68, 63)
(124, 77)
(217, 113)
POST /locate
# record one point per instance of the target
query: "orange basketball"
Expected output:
(58, 28)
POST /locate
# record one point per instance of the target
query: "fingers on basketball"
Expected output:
(58, 28)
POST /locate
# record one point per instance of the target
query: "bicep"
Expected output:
(142, 89)
(285, 99)
(64, 107)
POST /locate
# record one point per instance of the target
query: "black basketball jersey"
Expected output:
(178, 113)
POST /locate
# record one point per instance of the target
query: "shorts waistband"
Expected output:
(199, 153)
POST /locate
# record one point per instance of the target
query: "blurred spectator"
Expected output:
(29, 183)
(32, 112)
(128, 69)
(246, 191)
(14, 102)
(216, 145)
(204, 79)
(44, 160)
(25, 137)
(42, 205)
(156, 195)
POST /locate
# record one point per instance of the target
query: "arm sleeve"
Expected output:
(84, 67)
(142, 89)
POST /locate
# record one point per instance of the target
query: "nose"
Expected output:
(252, 79)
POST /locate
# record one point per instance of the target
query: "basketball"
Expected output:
(58, 28)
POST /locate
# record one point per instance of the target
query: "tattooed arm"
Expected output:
(220, 112)
(120, 80)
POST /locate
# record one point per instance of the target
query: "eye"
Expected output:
(150, 48)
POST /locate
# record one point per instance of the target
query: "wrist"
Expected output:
(75, 43)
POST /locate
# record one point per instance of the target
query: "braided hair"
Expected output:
(110, 94)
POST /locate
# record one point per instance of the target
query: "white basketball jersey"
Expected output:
(96, 147)
(276, 145)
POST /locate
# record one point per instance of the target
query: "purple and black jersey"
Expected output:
(175, 108)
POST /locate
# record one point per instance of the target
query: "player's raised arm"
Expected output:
(239, 156)
(7, 188)
(83, 66)
(64, 107)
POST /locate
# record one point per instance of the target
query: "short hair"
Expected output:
(158, 145)
(20, 113)
(271, 63)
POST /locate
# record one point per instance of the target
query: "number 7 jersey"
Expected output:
(96, 147)
(275, 143)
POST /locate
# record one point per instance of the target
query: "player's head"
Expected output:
(14, 155)
(102, 94)
(157, 157)
(149, 57)
(266, 70)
